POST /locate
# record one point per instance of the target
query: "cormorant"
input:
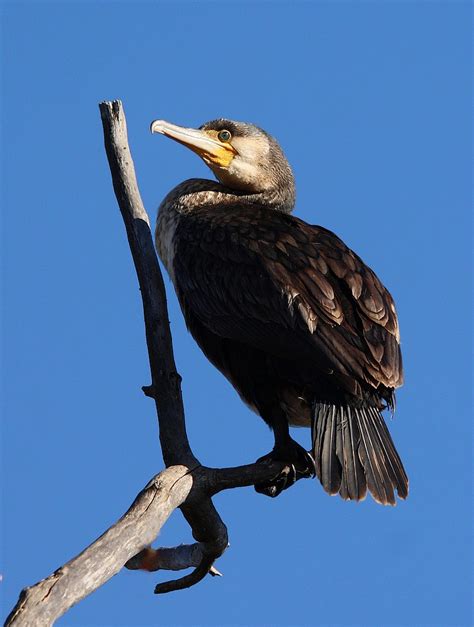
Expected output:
(301, 327)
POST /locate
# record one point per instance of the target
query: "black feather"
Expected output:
(357, 454)
(330, 465)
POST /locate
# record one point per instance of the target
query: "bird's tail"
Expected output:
(353, 451)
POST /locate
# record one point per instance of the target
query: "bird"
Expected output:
(291, 316)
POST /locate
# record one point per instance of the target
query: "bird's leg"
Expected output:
(299, 463)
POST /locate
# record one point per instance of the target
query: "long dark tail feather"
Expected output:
(354, 453)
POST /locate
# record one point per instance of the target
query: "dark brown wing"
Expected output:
(343, 301)
(271, 280)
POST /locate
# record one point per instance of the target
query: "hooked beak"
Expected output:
(204, 143)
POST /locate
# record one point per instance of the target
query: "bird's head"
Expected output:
(242, 156)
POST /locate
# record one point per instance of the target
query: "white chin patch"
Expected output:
(242, 175)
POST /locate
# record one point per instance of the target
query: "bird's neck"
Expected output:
(194, 194)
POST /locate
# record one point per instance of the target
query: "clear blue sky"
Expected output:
(371, 104)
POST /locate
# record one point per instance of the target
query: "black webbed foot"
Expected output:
(299, 465)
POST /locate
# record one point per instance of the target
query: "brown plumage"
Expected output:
(302, 328)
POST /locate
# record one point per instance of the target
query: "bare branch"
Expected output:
(166, 388)
(185, 483)
(166, 382)
(169, 558)
(45, 602)
(127, 542)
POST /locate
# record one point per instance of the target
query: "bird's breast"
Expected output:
(166, 225)
(179, 204)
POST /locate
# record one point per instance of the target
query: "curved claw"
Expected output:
(284, 480)
(302, 466)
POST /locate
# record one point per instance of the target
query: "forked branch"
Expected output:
(185, 484)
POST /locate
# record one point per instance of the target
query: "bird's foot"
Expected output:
(299, 465)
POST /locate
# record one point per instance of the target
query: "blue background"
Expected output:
(371, 102)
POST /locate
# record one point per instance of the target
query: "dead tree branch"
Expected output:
(50, 598)
(185, 484)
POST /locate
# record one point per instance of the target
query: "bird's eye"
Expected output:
(224, 136)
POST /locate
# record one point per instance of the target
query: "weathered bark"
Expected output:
(166, 382)
(50, 598)
(185, 483)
